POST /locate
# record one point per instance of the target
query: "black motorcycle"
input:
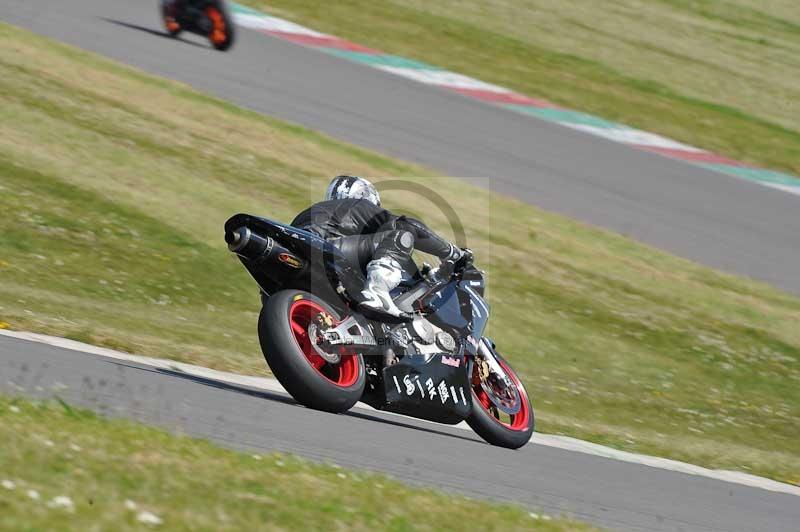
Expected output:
(209, 18)
(437, 366)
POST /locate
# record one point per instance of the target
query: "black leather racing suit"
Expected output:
(364, 232)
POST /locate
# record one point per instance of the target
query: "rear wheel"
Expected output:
(501, 416)
(286, 329)
(221, 33)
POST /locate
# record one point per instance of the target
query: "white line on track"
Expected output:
(549, 440)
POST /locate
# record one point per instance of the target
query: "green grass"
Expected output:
(718, 74)
(115, 186)
(113, 471)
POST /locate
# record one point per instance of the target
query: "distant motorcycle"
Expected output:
(328, 356)
(209, 18)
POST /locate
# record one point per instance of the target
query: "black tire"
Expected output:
(288, 361)
(230, 32)
(493, 431)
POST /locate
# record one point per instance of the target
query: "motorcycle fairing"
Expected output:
(428, 388)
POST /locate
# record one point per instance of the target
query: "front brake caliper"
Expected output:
(483, 368)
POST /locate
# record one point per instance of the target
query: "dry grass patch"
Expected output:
(88, 473)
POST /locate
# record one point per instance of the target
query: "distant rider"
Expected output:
(172, 10)
(351, 217)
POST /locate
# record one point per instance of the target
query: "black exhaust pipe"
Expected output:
(258, 249)
(248, 244)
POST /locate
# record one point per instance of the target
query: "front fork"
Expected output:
(494, 380)
(488, 363)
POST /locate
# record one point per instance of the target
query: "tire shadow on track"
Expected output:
(400, 423)
(227, 386)
(286, 399)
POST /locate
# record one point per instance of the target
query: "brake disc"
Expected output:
(500, 389)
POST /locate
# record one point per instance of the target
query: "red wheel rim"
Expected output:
(344, 373)
(219, 32)
(521, 421)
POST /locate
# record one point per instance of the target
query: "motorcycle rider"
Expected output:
(351, 217)
(173, 9)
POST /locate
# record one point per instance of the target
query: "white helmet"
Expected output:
(352, 187)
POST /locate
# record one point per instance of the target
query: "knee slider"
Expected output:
(404, 240)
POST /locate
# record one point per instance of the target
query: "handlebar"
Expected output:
(450, 269)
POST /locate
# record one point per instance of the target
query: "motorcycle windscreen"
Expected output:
(480, 316)
(459, 306)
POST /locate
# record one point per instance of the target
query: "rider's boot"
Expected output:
(383, 275)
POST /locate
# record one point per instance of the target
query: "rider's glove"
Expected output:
(452, 265)
(442, 272)
(465, 260)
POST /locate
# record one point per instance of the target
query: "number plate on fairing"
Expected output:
(437, 389)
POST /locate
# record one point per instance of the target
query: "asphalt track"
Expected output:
(606, 492)
(717, 220)
(714, 219)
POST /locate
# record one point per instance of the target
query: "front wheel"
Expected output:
(502, 417)
(221, 33)
(332, 382)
